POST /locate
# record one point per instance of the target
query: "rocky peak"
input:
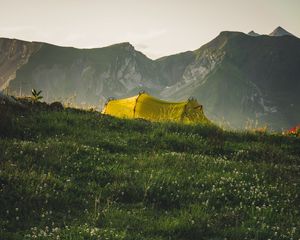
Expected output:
(127, 46)
(253, 34)
(279, 31)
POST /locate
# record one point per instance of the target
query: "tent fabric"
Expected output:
(147, 107)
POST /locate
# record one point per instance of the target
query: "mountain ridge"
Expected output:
(279, 31)
(234, 76)
(253, 34)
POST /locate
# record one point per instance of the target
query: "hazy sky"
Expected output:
(155, 27)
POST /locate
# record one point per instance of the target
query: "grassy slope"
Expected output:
(80, 175)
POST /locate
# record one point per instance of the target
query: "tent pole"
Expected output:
(183, 112)
(140, 93)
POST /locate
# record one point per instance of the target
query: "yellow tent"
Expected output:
(147, 107)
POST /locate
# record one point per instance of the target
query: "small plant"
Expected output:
(36, 96)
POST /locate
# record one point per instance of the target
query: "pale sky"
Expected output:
(155, 27)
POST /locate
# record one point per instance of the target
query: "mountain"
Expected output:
(172, 68)
(238, 78)
(13, 54)
(279, 31)
(86, 75)
(253, 34)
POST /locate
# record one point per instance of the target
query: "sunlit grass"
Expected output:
(81, 175)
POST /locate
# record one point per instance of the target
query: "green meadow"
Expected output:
(80, 175)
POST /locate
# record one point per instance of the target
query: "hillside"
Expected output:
(14, 54)
(86, 75)
(75, 174)
(240, 79)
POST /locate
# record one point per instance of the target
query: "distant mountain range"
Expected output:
(237, 77)
(277, 32)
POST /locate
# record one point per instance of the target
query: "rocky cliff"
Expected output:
(87, 75)
(13, 54)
